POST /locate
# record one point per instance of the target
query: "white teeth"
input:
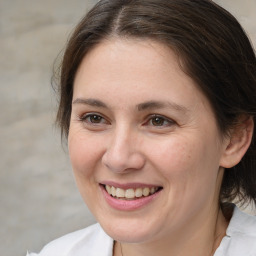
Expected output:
(113, 191)
(130, 193)
(145, 191)
(152, 190)
(138, 192)
(120, 192)
(108, 188)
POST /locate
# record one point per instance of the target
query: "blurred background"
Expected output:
(38, 196)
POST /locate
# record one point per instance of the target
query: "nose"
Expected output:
(123, 153)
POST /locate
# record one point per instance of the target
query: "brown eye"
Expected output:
(95, 119)
(157, 121)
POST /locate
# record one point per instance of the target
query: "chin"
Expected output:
(128, 231)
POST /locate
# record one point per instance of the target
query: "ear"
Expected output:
(237, 143)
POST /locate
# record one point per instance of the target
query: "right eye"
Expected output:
(93, 119)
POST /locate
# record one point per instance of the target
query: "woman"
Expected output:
(157, 100)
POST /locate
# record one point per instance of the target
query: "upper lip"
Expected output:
(133, 185)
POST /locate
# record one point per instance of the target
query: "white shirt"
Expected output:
(240, 240)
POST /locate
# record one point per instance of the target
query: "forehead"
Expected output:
(128, 52)
(141, 69)
(130, 59)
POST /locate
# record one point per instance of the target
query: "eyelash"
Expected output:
(92, 115)
(162, 121)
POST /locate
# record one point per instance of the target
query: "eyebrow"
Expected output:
(148, 105)
(159, 105)
(90, 102)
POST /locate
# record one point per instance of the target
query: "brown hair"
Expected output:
(213, 49)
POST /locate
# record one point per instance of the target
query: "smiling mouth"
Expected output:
(130, 193)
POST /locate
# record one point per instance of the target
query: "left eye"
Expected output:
(159, 121)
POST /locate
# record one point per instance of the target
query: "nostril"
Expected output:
(123, 162)
(114, 162)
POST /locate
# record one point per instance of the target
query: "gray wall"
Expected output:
(39, 200)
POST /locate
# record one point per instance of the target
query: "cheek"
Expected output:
(84, 152)
(189, 171)
(187, 165)
(175, 157)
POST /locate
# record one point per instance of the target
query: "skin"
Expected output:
(125, 144)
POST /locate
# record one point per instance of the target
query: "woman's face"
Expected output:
(138, 126)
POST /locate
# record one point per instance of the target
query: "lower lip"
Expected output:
(128, 205)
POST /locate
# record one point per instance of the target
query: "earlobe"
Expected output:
(237, 143)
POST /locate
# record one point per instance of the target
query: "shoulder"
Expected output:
(83, 242)
(240, 236)
(242, 224)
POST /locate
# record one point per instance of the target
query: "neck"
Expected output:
(189, 241)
